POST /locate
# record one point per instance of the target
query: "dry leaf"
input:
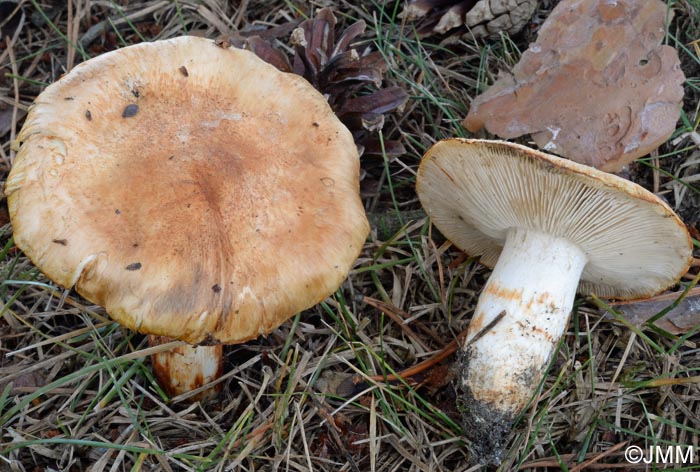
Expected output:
(679, 320)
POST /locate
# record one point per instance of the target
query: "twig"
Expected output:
(403, 316)
(445, 352)
(96, 30)
(588, 465)
(257, 432)
(655, 171)
(598, 457)
(393, 313)
(15, 83)
(663, 297)
(240, 14)
(70, 51)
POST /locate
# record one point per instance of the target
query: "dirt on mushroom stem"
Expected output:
(490, 428)
(534, 283)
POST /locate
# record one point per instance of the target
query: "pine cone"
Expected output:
(351, 79)
(483, 18)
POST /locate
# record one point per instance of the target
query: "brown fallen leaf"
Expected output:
(679, 320)
(25, 381)
(597, 86)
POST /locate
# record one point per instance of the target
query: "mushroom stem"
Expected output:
(534, 282)
(186, 368)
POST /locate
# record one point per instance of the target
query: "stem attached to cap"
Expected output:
(186, 368)
(534, 282)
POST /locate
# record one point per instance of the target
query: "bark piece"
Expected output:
(597, 86)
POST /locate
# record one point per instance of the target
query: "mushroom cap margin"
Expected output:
(162, 181)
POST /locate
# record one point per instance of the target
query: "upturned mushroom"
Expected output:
(194, 191)
(548, 227)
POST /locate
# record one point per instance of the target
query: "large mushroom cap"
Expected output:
(195, 192)
(476, 190)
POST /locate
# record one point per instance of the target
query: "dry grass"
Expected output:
(76, 392)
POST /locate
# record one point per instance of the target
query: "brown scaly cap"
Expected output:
(476, 190)
(195, 192)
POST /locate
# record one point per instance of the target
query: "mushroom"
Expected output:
(548, 227)
(597, 86)
(194, 191)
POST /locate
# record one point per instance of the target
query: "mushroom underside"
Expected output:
(548, 227)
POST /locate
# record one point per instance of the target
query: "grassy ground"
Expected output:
(82, 396)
